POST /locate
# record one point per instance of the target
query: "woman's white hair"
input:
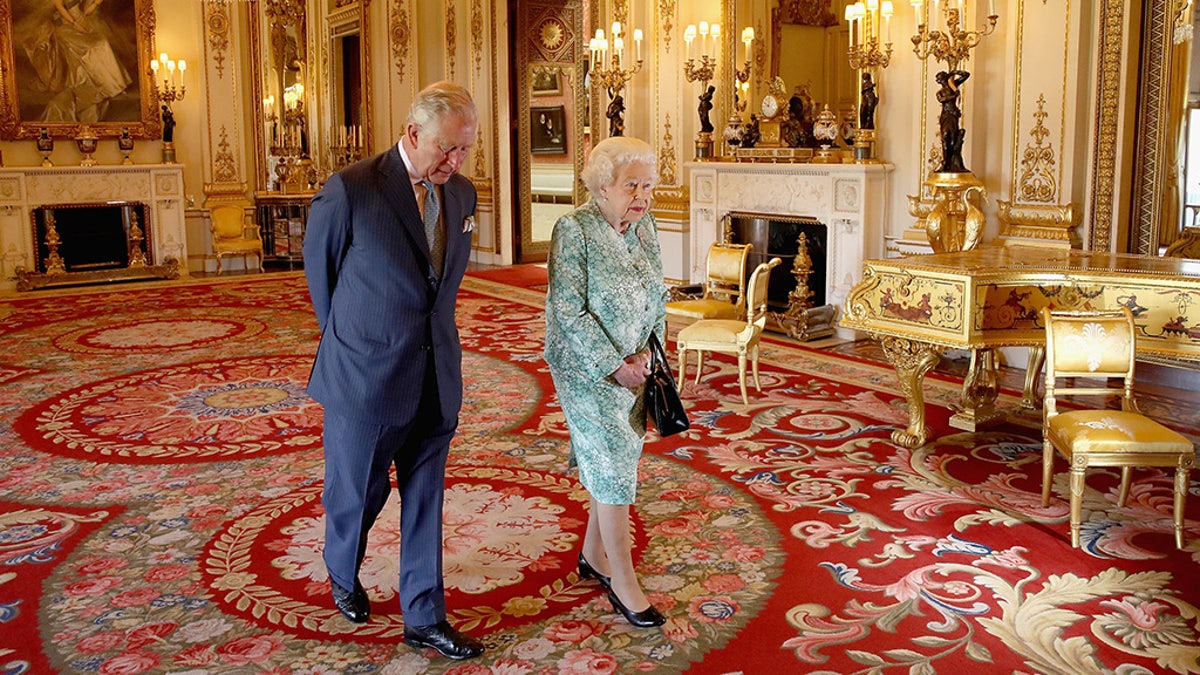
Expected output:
(439, 100)
(610, 156)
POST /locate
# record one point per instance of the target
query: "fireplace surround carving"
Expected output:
(158, 187)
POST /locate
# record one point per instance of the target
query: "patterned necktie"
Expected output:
(433, 233)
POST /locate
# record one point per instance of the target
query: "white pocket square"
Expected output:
(469, 224)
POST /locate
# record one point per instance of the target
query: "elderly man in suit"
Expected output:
(385, 251)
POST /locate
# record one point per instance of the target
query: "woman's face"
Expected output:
(628, 198)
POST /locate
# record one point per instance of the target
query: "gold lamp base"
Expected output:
(954, 223)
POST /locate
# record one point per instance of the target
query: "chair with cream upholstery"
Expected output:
(730, 336)
(723, 296)
(233, 235)
(1100, 345)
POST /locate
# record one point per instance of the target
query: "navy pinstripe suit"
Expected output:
(389, 366)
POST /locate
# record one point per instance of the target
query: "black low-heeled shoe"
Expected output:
(586, 571)
(647, 618)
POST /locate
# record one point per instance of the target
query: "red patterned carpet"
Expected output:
(160, 477)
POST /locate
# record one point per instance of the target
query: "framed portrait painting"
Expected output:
(547, 130)
(545, 81)
(67, 63)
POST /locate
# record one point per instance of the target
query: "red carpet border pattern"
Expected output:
(160, 478)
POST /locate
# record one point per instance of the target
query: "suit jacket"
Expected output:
(380, 306)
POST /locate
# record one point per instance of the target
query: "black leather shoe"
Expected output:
(353, 605)
(647, 618)
(586, 571)
(442, 637)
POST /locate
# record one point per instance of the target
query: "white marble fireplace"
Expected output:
(850, 199)
(23, 189)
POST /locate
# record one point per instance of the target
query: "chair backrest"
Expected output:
(1088, 346)
(228, 221)
(756, 309)
(726, 273)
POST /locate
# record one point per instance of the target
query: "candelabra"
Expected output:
(613, 78)
(870, 27)
(170, 90)
(954, 45)
(952, 222)
(703, 73)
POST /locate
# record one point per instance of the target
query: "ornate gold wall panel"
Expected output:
(223, 101)
(1103, 193)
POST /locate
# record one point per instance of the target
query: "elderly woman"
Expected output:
(606, 294)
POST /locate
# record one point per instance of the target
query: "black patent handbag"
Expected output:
(662, 397)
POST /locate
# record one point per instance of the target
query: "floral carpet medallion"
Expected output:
(151, 334)
(160, 481)
(196, 412)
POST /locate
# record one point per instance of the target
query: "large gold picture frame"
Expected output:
(66, 63)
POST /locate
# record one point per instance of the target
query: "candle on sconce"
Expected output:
(887, 9)
(714, 32)
(747, 39)
(689, 34)
(182, 67)
(637, 43)
(849, 16)
(618, 47)
(991, 7)
(703, 30)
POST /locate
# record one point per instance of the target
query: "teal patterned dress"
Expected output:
(606, 294)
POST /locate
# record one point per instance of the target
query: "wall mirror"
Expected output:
(309, 71)
(805, 44)
(550, 109)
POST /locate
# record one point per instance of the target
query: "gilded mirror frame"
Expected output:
(539, 47)
(277, 16)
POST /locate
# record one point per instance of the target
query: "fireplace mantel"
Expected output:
(23, 189)
(851, 199)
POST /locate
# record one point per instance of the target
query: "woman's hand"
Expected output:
(633, 373)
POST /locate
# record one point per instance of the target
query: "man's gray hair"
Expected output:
(438, 100)
(610, 156)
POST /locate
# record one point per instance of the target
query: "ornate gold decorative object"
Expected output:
(801, 320)
(666, 154)
(1051, 225)
(216, 19)
(137, 257)
(954, 223)
(53, 262)
(87, 142)
(870, 23)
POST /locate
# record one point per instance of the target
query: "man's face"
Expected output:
(440, 149)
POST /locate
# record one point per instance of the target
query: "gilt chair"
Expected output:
(730, 336)
(723, 294)
(233, 235)
(1091, 346)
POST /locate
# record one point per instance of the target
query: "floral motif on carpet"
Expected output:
(161, 514)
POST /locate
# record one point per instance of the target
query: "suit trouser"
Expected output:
(357, 457)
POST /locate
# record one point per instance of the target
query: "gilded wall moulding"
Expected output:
(224, 169)
(451, 38)
(216, 22)
(666, 13)
(1037, 182)
(477, 34)
(1051, 224)
(400, 34)
(671, 202)
(621, 12)
(1112, 19)
(666, 155)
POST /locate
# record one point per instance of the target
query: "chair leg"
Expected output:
(1182, 479)
(754, 360)
(682, 366)
(742, 378)
(1077, 485)
(1123, 495)
(699, 364)
(1047, 471)
(218, 263)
